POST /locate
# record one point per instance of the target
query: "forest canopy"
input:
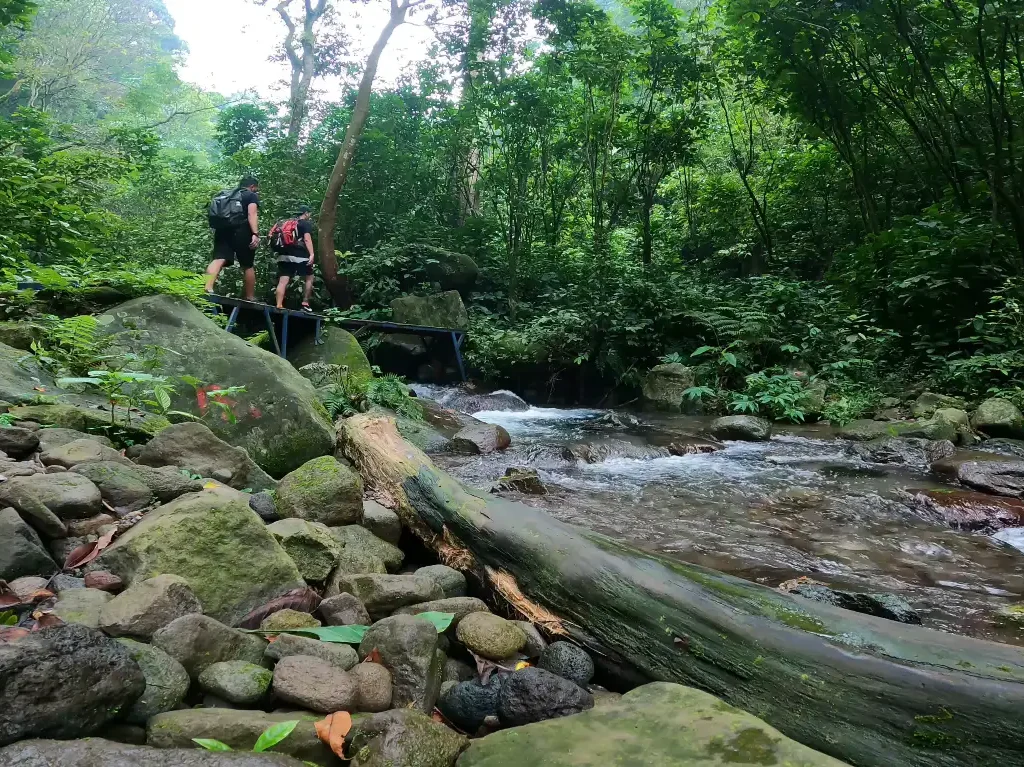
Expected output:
(746, 187)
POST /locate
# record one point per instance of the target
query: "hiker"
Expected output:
(234, 218)
(293, 242)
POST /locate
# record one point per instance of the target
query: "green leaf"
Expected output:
(332, 634)
(441, 621)
(702, 350)
(163, 399)
(274, 735)
(730, 358)
(211, 745)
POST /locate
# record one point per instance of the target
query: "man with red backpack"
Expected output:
(292, 240)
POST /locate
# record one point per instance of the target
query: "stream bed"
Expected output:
(800, 504)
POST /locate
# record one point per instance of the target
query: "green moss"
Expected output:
(749, 746)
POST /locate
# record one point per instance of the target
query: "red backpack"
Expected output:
(284, 235)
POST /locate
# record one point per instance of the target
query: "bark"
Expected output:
(337, 285)
(301, 56)
(869, 691)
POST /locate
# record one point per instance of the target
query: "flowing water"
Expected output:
(797, 505)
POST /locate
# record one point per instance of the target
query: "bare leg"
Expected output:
(282, 288)
(213, 270)
(308, 292)
(249, 284)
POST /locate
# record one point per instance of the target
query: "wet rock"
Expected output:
(533, 695)
(1012, 448)
(383, 594)
(408, 738)
(236, 681)
(445, 420)
(888, 606)
(119, 484)
(239, 729)
(194, 447)
(451, 581)
(22, 552)
(322, 490)
(517, 480)
(902, 450)
(338, 655)
(64, 682)
(408, 648)
(664, 387)
(56, 437)
(471, 402)
(535, 642)
(97, 752)
(949, 467)
(480, 439)
(18, 443)
(741, 427)
(614, 421)
(598, 452)
(1000, 478)
(314, 684)
(264, 505)
(460, 607)
(80, 451)
(310, 545)
(198, 641)
(966, 509)
(104, 581)
(999, 418)
(167, 681)
(958, 420)
(490, 636)
(149, 605)
(693, 446)
(284, 620)
(358, 541)
(68, 496)
(344, 610)
(569, 661)
(82, 606)
(374, 687)
(468, 704)
(926, 405)
(383, 523)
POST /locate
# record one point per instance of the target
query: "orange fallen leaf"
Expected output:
(333, 729)
(373, 657)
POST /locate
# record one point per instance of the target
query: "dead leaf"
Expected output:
(11, 633)
(333, 730)
(485, 668)
(303, 600)
(45, 620)
(87, 552)
(373, 657)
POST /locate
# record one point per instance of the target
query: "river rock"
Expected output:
(445, 420)
(335, 346)
(451, 581)
(352, 561)
(490, 636)
(480, 439)
(569, 661)
(194, 447)
(310, 545)
(63, 582)
(375, 687)
(518, 480)
(82, 606)
(239, 729)
(97, 752)
(408, 648)
(198, 641)
(344, 610)
(22, 552)
(55, 437)
(68, 496)
(265, 506)
(406, 737)
(286, 645)
(887, 606)
(167, 681)
(533, 695)
(322, 490)
(64, 682)
(287, 620)
(535, 642)
(88, 414)
(1012, 448)
(607, 449)
(902, 450)
(80, 451)
(741, 427)
(383, 523)
(999, 418)
(664, 387)
(656, 725)
(118, 483)
(949, 467)
(18, 443)
(97, 525)
(966, 509)
(468, 704)
(104, 581)
(357, 540)
(999, 477)
(926, 404)
(236, 681)
(314, 684)
(443, 310)
(959, 420)
(217, 543)
(149, 605)
(466, 400)
(460, 607)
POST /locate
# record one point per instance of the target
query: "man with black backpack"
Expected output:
(234, 218)
(292, 240)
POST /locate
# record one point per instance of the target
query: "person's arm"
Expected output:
(254, 223)
(309, 247)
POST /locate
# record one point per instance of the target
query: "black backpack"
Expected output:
(226, 210)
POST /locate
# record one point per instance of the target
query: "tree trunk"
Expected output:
(337, 285)
(304, 65)
(870, 691)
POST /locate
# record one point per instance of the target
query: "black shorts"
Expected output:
(294, 269)
(232, 245)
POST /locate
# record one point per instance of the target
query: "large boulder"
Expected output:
(408, 648)
(18, 443)
(193, 446)
(22, 553)
(444, 310)
(322, 490)
(912, 451)
(336, 347)
(167, 682)
(64, 682)
(96, 752)
(467, 399)
(664, 385)
(449, 269)
(657, 725)
(405, 738)
(217, 543)
(926, 405)
(741, 427)
(278, 419)
(20, 375)
(198, 641)
(999, 418)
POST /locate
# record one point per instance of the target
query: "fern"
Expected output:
(73, 346)
(391, 392)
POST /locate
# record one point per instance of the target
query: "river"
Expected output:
(797, 505)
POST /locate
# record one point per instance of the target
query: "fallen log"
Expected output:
(872, 692)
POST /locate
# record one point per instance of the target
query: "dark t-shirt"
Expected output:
(248, 198)
(298, 252)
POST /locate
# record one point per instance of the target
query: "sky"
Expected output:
(230, 42)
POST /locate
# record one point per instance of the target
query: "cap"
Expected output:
(304, 209)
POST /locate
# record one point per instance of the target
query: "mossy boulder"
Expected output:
(310, 545)
(193, 446)
(87, 416)
(322, 490)
(657, 725)
(444, 310)
(167, 682)
(405, 738)
(449, 269)
(217, 543)
(866, 429)
(20, 335)
(490, 636)
(664, 385)
(287, 620)
(356, 539)
(20, 375)
(337, 347)
(999, 418)
(926, 405)
(278, 419)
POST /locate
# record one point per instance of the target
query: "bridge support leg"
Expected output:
(270, 329)
(457, 344)
(284, 335)
(232, 319)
